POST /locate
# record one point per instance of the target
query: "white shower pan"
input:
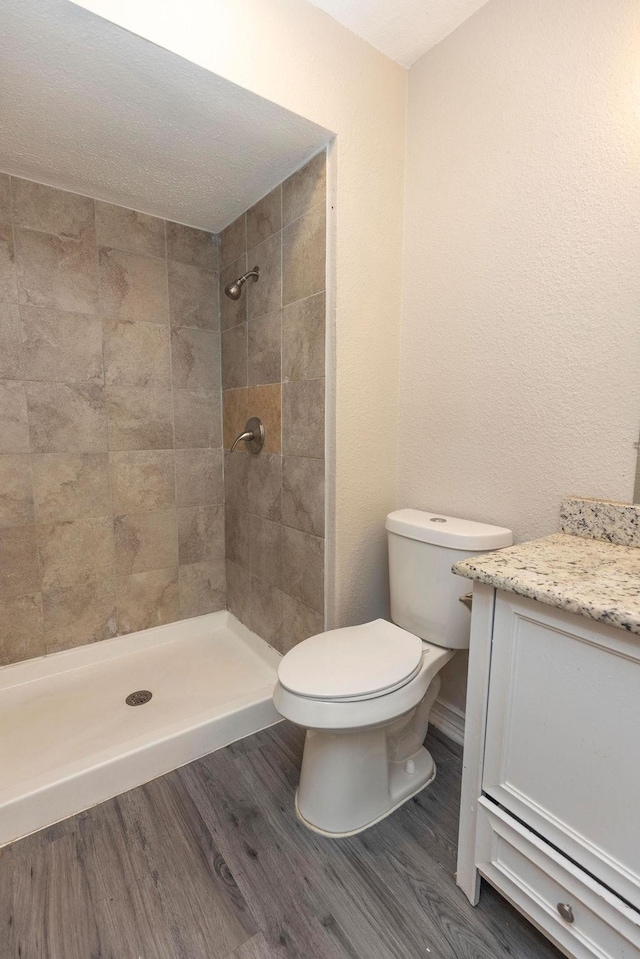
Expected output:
(68, 740)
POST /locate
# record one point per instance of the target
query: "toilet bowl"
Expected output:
(364, 693)
(364, 752)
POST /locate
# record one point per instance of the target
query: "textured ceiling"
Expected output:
(403, 29)
(88, 107)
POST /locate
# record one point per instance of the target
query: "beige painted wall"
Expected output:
(520, 362)
(293, 54)
(519, 351)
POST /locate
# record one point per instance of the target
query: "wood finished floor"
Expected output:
(209, 862)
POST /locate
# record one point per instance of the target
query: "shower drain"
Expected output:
(139, 698)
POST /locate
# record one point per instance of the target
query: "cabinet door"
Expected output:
(562, 748)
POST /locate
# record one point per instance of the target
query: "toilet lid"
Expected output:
(351, 662)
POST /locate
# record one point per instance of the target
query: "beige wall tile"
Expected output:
(147, 599)
(303, 418)
(264, 218)
(202, 588)
(142, 480)
(152, 406)
(61, 347)
(236, 480)
(198, 419)
(238, 592)
(200, 534)
(265, 481)
(66, 417)
(56, 272)
(303, 494)
(303, 567)
(21, 629)
(303, 339)
(234, 357)
(69, 486)
(146, 541)
(237, 532)
(265, 402)
(193, 296)
(233, 312)
(139, 419)
(195, 359)
(305, 188)
(266, 611)
(91, 279)
(235, 405)
(75, 551)
(264, 349)
(265, 539)
(303, 255)
(188, 245)
(8, 273)
(19, 569)
(124, 229)
(299, 622)
(265, 295)
(14, 425)
(16, 494)
(199, 477)
(233, 241)
(49, 210)
(6, 215)
(136, 354)
(79, 614)
(11, 346)
(132, 286)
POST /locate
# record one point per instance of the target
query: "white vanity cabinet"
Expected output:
(551, 784)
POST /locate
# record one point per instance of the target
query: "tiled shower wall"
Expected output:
(111, 473)
(273, 366)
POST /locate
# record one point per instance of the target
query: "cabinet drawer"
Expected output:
(536, 879)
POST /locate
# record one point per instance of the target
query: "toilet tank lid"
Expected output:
(449, 531)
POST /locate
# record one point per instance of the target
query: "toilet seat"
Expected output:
(360, 713)
(352, 664)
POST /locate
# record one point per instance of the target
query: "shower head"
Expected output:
(234, 289)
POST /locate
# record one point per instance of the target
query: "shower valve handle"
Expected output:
(253, 436)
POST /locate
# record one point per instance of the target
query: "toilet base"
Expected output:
(367, 825)
(335, 808)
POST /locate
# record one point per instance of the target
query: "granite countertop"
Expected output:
(586, 576)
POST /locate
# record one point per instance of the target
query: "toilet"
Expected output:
(364, 693)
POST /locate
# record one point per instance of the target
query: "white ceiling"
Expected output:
(402, 29)
(86, 106)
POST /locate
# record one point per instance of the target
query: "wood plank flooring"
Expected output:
(209, 862)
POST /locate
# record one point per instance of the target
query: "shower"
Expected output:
(234, 289)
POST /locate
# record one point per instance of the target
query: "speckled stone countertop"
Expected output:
(589, 577)
(617, 523)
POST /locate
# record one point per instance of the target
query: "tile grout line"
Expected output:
(106, 416)
(40, 589)
(104, 378)
(173, 418)
(281, 407)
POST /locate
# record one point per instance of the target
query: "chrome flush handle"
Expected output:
(466, 600)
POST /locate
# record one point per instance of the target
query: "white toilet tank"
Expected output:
(424, 592)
